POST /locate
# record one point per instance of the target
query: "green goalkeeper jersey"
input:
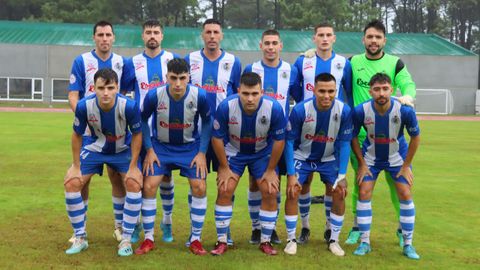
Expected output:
(363, 69)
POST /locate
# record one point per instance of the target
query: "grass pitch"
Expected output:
(34, 228)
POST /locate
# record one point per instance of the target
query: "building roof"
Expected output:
(128, 36)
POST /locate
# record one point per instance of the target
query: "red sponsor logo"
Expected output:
(174, 125)
(319, 138)
(309, 87)
(152, 85)
(308, 65)
(91, 88)
(275, 95)
(247, 140)
(212, 88)
(162, 106)
(92, 118)
(233, 121)
(382, 140)
(309, 119)
(113, 138)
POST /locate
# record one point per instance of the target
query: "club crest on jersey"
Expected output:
(226, 66)
(396, 119)
(167, 60)
(92, 118)
(190, 105)
(309, 118)
(161, 107)
(263, 120)
(284, 75)
(118, 66)
(233, 121)
(335, 117)
(339, 66)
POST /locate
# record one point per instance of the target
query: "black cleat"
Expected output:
(274, 238)
(317, 199)
(326, 235)
(255, 239)
(304, 235)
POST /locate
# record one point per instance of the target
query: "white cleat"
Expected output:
(117, 234)
(291, 247)
(335, 248)
(72, 239)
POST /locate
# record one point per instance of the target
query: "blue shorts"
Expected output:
(92, 162)
(172, 158)
(256, 165)
(328, 170)
(143, 153)
(393, 171)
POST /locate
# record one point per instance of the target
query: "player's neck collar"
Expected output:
(95, 54)
(202, 52)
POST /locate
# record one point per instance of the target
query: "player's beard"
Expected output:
(374, 53)
(152, 45)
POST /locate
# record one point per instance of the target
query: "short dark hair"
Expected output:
(152, 23)
(377, 24)
(380, 78)
(270, 32)
(250, 79)
(107, 74)
(178, 66)
(321, 25)
(101, 24)
(211, 21)
(325, 77)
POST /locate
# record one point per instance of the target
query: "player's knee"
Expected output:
(269, 196)
(338, 194)
(149, 188)
(198, 188)
(365, 194)
(404, 194)
(132, 185)
(293, 197)
(73, 185)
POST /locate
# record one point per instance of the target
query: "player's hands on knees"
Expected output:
(150, 159)
(135, 174)
(363, 171)
(72, 173)
(201, 163)
(271, 178)
(293, 186)
(224, 175)
(341, 183)
(407, 173)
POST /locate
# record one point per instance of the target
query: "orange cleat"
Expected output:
(197, 249)
(145, 247)
(220, 248)
(267, 248)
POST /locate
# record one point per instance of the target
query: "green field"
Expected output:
(34, 228)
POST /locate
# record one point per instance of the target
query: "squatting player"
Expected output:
(107, 114)
(385, 149)
(318, 140)
(144, 72)
(248, 131)
(175, 109)
(278, 80)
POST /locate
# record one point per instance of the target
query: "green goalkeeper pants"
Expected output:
(390, 181)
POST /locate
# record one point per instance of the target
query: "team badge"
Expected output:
(339, 66)
(167, 60)
(263, 120)
(396, 119)
(76, 122)
(118, 66)
(284, 75)
(335, 118)
(73, 79)
(226, 66)
(190, 105)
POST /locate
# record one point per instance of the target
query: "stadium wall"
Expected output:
(459, 74)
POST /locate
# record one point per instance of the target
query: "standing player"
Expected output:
(82, 85)
(216, 71)
(324, 59)
(278, 79)
(144, 72)
(385, 148)
(249, 131)
(176, 144)
(364, 66)
(107, 114)
(318, 139)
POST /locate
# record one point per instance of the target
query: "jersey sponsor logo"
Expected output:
(212, 88)
(216, 125)
(92, 118)
(270, 93)
(152, 85)
(175, 125)
(139, 65)
(321, 138)
(368, 121)
(309, 118)
(247, 139)
(308, 65)
(73, 79)
(360, 69)
(382, 139)
(162, 107)
(91, 67)
(194, 67)
(309, 87)
(362, 83)
(233, 121)
(111, 138)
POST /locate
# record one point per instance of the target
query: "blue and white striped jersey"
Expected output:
(317, 134)
(249, 134)
(308, 68)
(108, 129)
(84, 68)
(219, 78)
(277, 82)
(176, 122)
(385, 144)
(143, 73)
